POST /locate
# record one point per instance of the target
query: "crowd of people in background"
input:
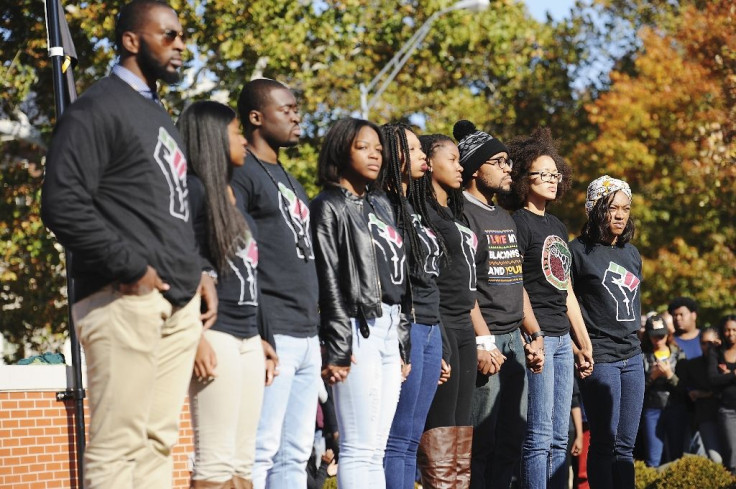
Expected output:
(424, 317)
(690, 391)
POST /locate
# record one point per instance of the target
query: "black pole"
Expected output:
(56, 52)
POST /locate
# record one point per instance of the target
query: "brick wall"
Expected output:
(37, 446)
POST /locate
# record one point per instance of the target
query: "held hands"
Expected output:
(205, 362)
(329, 458)
(272, 362)
(336, 373)
(490, 357)
(490, 361)
(149, 282)
(584, 362)
(445, 371)
(534, 352)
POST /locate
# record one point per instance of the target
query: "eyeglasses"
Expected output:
(548, 177)
(170, 35)
(501, 162)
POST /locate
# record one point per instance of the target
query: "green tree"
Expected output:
(500, 68)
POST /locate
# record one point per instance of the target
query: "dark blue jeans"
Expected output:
(499, 417)
(417, 392)
(613, 396)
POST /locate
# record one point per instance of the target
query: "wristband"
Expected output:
(485, 342)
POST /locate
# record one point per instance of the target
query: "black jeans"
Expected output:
(453, 399)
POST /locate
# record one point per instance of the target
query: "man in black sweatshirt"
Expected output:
(115, 195)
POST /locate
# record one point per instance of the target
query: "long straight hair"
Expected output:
(203, 127)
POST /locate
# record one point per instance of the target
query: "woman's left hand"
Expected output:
(445, 372)
(405, 370)
(272, 362)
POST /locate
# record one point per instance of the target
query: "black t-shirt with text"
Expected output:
(546, 263)
(498, 264)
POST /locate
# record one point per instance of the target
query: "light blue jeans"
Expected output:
(286, 428)
(366, 401)
(548, 418)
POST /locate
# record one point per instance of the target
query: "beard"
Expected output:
(152, 68)
(489, 189)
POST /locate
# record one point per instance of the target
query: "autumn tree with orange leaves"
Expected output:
(668, 126)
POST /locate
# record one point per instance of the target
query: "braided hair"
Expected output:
(455, 200)
(396, 157)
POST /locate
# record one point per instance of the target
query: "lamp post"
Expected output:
(401, 57)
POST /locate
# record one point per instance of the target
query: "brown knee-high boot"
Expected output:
(436, 458)
(464, 447)
(240, 483)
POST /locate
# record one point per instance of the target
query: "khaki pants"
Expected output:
(226, 410)
(140, 353)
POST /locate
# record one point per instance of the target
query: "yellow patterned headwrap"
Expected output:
(603, 186)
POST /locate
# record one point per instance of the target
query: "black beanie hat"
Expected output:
(475, 147)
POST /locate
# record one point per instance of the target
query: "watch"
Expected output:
(535, 335)
(212, 273)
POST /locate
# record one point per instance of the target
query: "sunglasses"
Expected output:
(170, 35)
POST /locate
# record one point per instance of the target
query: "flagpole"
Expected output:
(56, 52)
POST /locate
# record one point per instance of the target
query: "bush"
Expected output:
(691, 472)
(645, 476)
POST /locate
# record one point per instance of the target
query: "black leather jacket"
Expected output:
(349, 285)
